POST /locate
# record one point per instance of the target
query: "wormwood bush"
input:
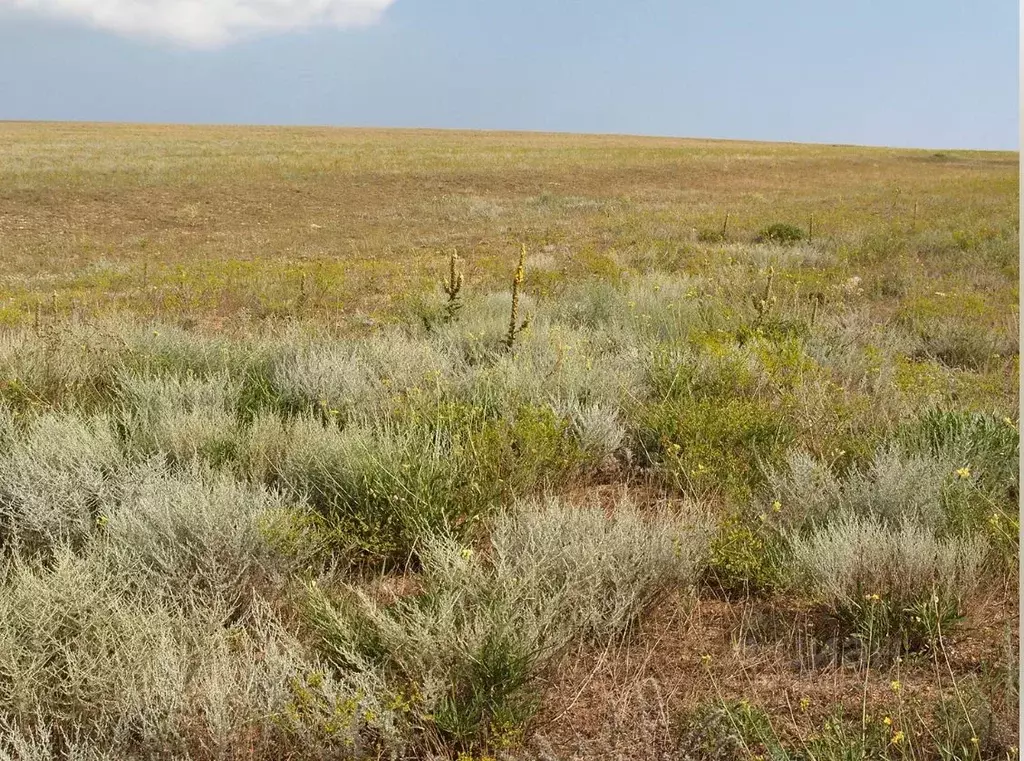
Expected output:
(923, 475)
(8, 429)
(959, 343)
(591, 304)
(985, 453)
(663, 307)
(94, 669)
(599, 430)
(554, 364)
(362, 379)
(69, 366)
(335, 378)
(855, 351)
(467, 651)
(193, 533)
(58, 473)
(604, 569)
(894, 485)
(478, 336)
(888, 579)
(184, 417)
(169, 350)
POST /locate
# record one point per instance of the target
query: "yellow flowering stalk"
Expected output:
(514, 326)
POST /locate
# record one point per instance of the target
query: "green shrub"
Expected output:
(987, 445)
(526, 451)
(376, 490)
(781, 233)
(982, 453)
(708, 447)
(958, 728)
(748, 554)
(257, 394)
(967, 727)
(713, 369)
(710, 236)
(431, 469)
(168, 350)
(773, 330)
(738, 729)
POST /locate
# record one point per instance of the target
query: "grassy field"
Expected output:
(406, 444)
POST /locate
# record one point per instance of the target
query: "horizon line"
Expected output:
(495, 130)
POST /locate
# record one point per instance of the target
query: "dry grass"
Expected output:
(263, 496)
(210, 224)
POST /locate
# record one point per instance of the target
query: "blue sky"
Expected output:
(925, 73)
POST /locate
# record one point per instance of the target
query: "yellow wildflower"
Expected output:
(964, 472)
(805, 703)
(776, 506)
(896, 685)
(897, 737)
(887, 721)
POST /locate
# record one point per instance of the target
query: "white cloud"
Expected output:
(207, 23)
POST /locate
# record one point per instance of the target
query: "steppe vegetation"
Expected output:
(323, 444)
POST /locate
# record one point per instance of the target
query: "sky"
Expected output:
(907, 73)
